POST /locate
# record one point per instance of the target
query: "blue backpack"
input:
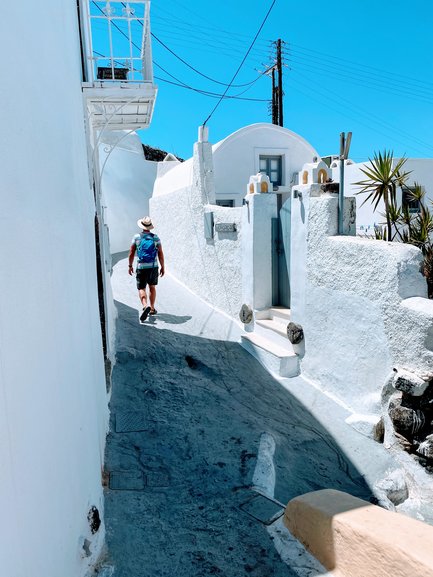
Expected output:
(147, 251)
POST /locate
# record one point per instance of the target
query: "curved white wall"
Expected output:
(236, 158)
(127, 184)
(52, 386)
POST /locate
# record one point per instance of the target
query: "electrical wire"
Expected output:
(243, 60)
(350, 64)
(372, 125)
(325, 69)
(198, 71)
(174, 53)
(182, 84)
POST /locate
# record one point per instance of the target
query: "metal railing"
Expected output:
(117, 41)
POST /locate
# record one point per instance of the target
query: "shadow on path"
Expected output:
(168, 319)
(187, 414)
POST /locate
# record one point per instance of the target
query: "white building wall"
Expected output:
(209, 264)
(361, 304)
(53, 412)
(236, 158)
(127, 185)
(421, 171)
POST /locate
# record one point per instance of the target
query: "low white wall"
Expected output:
(53, 411)
(348, 294)
(127, 185)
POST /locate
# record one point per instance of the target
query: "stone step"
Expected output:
(280, 314)
(280, 360)
(275, 326)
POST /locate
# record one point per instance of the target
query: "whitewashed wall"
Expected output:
(53, 411)
(213, 268)
(127, 185)
(421, 171)
(208, 266)
(361, 304)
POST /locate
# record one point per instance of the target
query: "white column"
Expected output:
(257, 249)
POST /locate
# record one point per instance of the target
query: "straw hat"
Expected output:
(145, 223)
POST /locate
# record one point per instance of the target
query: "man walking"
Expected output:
(148, 249)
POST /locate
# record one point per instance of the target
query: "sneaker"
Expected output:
(153, 312)
(144, 314)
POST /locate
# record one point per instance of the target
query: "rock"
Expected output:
(365, 424)
(295, 333)
(426, 447)
(404, 443)
(410, 383)
(405, 420)
(246, 314)
(393, 487)
(379, 430)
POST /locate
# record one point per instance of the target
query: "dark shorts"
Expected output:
(147, 276)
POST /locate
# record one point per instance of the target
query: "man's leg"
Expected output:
(152, 296)
(143, 297)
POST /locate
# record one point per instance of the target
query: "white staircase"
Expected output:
(269, 342)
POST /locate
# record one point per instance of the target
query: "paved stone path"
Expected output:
(189, 409)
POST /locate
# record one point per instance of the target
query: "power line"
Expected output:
(241, 64)
(371, 123)
(376, 71)
(195, 69)
(182, 84)
(361, 77)
(365, 83)
(175, 55)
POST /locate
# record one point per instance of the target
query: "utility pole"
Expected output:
(280, 83)
(277, 85)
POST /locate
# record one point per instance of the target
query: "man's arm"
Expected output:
(161, 260)
(131, 258)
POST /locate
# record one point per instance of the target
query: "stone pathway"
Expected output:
(194, 419)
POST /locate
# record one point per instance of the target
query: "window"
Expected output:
(226, 203)
(273, 167)
(408, 201)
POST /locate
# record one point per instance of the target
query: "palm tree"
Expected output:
(381, 184)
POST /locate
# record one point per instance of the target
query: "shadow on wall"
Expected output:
(203, 406)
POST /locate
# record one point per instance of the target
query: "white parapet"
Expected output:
(358, 539)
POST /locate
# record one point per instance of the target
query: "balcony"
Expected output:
(117, 63)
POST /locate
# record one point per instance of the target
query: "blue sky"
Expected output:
(365, 67)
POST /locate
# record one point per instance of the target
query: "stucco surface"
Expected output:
(127, 184)
(211, 268)
(359, 539)
(348, 294)
(53, 410)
